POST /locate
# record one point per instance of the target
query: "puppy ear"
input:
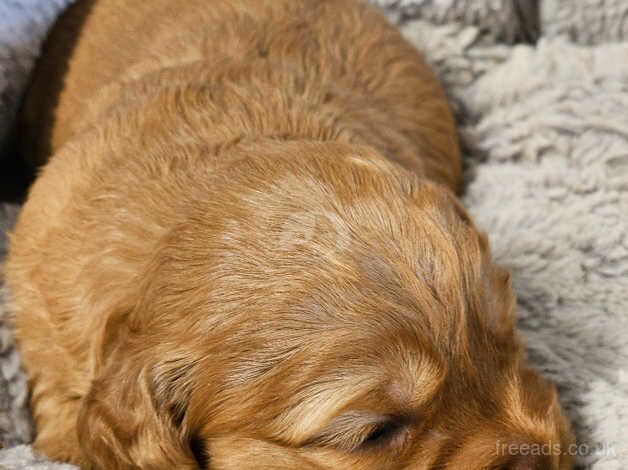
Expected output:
(501, 301)
(132, 416)
(501, 312)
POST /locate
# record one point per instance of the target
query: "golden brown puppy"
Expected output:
(245, 251)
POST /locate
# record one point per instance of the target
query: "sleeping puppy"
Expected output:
(245, 250)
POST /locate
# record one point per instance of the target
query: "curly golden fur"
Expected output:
(245, 250)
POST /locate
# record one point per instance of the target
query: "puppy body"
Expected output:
(243, 248)
(330, 70)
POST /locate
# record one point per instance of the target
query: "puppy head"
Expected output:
(320, 307)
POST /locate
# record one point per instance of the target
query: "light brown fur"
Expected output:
(246, 245)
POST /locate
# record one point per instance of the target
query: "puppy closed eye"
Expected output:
(361, 431)
(382, 433)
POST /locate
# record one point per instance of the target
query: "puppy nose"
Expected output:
(527, 462)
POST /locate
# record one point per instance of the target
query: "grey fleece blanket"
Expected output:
(544, 125)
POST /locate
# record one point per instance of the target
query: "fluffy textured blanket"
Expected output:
(545, 132)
